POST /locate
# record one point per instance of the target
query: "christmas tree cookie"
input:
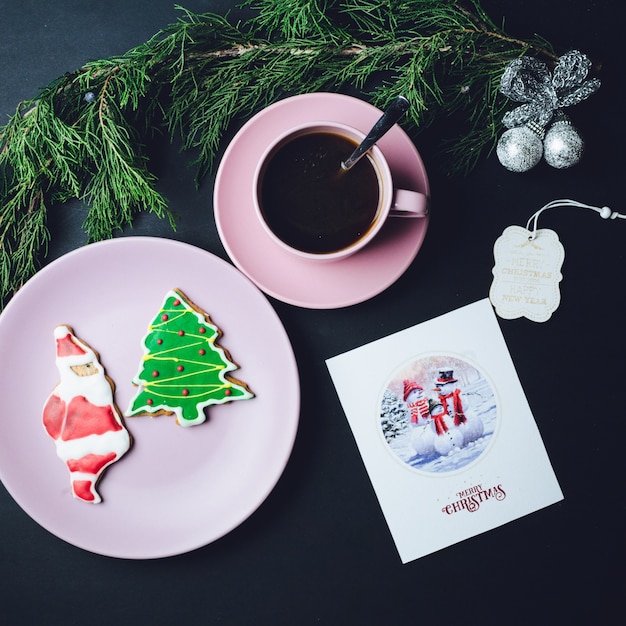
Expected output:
(183, 369)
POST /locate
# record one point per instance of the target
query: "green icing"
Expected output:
(183, 369)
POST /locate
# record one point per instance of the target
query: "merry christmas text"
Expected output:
(471, 499)
(527, 275)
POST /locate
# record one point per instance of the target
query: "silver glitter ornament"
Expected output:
(520, 148)
(542, 96)
(528, 80)
(562, 146)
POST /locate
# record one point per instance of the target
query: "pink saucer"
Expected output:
(277, 272)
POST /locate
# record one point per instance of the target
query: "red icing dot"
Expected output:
(227, 392)
(185, 392)
(180, 368)
(159, 341)
(202, 352)
(165, 317)
(176, 302)
(149, 401)
(155, 374)
(202, 330)
(181, 332)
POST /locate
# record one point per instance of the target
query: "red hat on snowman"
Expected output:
(409, 386)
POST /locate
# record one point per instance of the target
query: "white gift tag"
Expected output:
(526, 274)
(527, 269)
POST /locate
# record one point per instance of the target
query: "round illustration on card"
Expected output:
(438, 413)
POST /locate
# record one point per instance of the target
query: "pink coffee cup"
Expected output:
(313, 208)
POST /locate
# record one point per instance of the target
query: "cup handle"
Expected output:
(407, 203)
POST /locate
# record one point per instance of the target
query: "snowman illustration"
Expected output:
(438, 413)
(449, 394)
(422, 433)
(417, 402)
(447, 438)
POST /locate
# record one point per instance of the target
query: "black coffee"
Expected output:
(309, 202)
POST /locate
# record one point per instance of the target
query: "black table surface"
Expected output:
(318, 549)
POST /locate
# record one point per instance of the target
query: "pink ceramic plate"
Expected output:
(178, 488)
(275, 271)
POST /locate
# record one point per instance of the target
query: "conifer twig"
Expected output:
(84, 136)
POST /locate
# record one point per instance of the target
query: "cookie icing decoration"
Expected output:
(81, 416)
(184, 369)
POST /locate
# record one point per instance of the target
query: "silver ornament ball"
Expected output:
(563, 146)
(519, 149)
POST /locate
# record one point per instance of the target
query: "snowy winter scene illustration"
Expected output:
(438, 413)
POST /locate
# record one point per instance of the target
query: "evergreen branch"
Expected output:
(83, 137)
(120, 185)
(296, 19)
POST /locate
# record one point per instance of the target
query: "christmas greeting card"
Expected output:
(445, 431)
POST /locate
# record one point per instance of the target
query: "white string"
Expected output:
(605, 212)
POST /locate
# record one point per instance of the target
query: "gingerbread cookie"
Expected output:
(81, 415)
(184, 369)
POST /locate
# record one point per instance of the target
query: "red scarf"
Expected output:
(419, 409)
(459, 415)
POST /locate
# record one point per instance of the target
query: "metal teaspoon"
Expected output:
(391, 115)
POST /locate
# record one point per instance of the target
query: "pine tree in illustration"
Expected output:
(393, 415)
(184, 369)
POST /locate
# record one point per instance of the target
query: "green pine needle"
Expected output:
(83, 136)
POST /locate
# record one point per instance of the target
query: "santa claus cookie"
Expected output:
(81, 416)
(184, 369)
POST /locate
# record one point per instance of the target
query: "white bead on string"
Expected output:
(605, 212)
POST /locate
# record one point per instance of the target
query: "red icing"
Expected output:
(53, 415)
(66, 346)
(91, 463)
(82, 489)
(202, 352)
(202, 330)
(181, 333)
(159, 341)
(165, 317)
(83, 418)
(149, 401)
(155, 374)
(176, 302)
(185, 392)
(227, 392)
(78, 419)
(180, 368)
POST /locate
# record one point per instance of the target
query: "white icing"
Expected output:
(117, 441)
(98, 391)
(95, 388)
